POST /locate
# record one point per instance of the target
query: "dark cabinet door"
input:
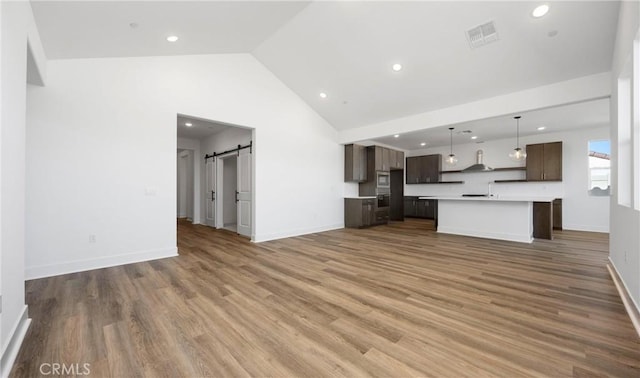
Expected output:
(424, 169)
(386, 159)
(430, 211)
(368, 213)
(396, 159)
(543, 220)
(355, 163)
(382, 158)
(393, 159)
(557, 214)
(399, 160)
(430, 168)
(377, 153)
(544, 162)
(413, 170)
(359, 213)
(552, 162)
(410, 209)
(423, 205)
(535, 162)
(426, 209)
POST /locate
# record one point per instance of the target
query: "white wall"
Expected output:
(94, 112)
(580, 211)
(16, 23)
(624, 247)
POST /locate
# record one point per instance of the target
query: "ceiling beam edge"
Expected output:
(581, 89)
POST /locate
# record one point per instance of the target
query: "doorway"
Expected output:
(185, 185)
(232, 178)
(223, 173)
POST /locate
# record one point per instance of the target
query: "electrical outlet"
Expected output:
(92, 238)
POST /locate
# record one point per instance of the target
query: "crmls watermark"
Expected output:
(55, 368)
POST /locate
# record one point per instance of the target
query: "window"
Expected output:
(599, 167)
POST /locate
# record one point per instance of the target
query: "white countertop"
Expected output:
(362, 197)
(493, 198)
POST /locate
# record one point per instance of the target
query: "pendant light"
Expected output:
(451, 160)
(518, 154)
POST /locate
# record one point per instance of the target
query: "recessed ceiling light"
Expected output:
(397, 67)
(188, 124)
(323, 95)
(540, 11)
(397, 136)
(423, 144)
(474, 137)
(172, 38)
(541, 128)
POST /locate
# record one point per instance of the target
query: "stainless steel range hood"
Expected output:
(479, 166)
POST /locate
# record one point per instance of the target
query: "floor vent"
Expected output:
(481, 35)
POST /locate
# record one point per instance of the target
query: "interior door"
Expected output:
(210, 193)
(243, 194)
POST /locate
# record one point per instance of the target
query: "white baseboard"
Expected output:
(299, 232)
(33, 272)
(491, 235)
(587, 228)
(633, 310)
(12, 347)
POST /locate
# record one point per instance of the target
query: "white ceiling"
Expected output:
(95, 29)
(582, 115)
(346, 48)
(199, 129)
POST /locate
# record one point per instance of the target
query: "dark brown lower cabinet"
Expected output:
(543, 220)
(420, 208)
(381, 216)
(360, 213)
(410, 207)
(557, 214)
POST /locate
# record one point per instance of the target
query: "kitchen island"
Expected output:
(492, 217)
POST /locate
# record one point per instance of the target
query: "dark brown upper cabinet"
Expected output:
(380, 157)
(424, 169)
(544, 162)
(386, 159)
(396, 159)
(355, 163)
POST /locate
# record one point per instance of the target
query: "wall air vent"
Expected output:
(481, 35)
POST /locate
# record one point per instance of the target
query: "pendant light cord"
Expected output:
(517, 131)
(450, 141)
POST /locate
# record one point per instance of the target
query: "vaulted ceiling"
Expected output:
(346, 49)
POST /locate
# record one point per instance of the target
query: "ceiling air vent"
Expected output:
(481, 35)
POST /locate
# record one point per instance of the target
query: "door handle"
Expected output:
(237, 195)
(213, 195)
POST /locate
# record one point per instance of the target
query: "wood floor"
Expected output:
(391, 301)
